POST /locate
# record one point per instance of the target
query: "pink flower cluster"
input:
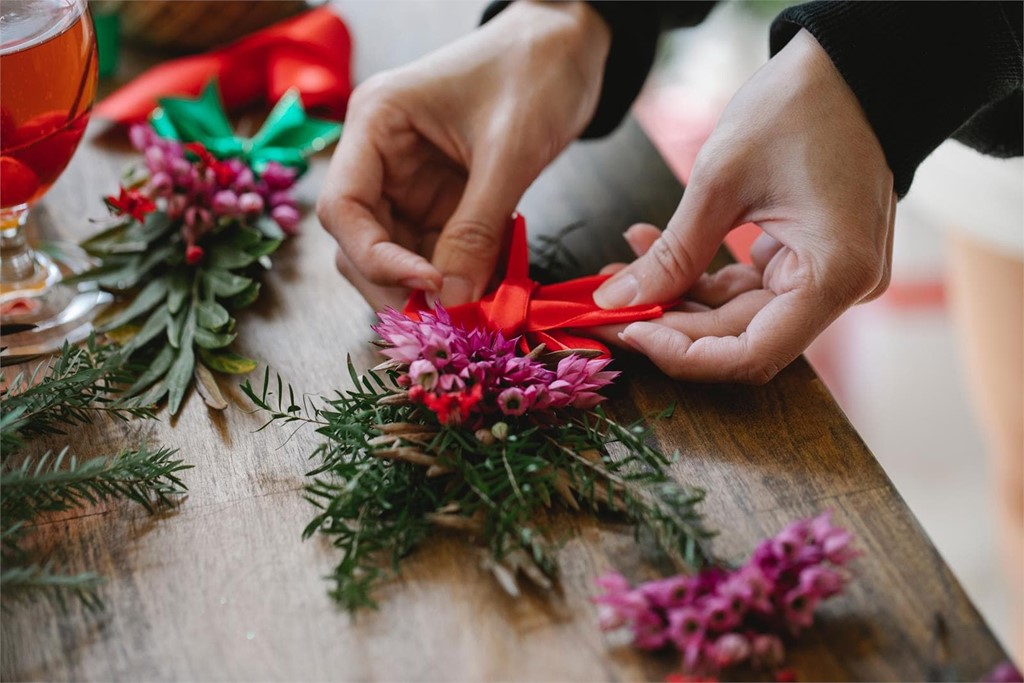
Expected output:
(721, 618)
(459, 373)
(204, 190)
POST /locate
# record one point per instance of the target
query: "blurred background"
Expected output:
(894, 365)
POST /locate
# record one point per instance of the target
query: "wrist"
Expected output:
(574, 29)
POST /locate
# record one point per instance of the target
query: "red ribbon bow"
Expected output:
(540, 313)
(310, 52)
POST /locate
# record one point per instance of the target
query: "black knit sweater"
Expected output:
(923, 71)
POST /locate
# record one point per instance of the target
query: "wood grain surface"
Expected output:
(225, 589)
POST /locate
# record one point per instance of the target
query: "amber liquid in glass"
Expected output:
(48, 73)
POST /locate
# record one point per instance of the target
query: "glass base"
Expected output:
(42, 313)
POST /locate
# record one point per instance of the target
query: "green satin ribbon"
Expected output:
(288, 136)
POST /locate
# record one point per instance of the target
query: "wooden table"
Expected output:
(225, 589)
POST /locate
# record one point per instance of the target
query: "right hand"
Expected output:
(436, 154)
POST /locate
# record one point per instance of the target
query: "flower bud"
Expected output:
(423, 373)
(160, 184)
(484, 436)
(250, 203)
(225, 203)
(287, 217)
(193, 254)
(500, 430)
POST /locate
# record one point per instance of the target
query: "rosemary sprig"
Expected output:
(73, 388)
(386, 477)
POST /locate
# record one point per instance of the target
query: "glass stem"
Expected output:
(17, 260)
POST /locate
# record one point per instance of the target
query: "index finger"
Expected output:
(349, 206)
(775, 337)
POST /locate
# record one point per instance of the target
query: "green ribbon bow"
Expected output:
(288, 136)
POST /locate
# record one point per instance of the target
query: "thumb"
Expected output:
(467, 250)
(679, 257)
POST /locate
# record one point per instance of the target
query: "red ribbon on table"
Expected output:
(311, 53)
(540, 313)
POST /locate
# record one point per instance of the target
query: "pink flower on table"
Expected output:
(686, 625)
(674, 591)
(798, 607)
(822, 581)
(720, 614)
(767, 651)
(619, 604)
(730, 649)
(728, 616)
(649, 632)
(834, 541)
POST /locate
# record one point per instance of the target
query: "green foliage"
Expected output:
(387, 476)
(176, 315)
(67, 391)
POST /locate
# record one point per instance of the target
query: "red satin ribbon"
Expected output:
(311, 52)
(539, 313)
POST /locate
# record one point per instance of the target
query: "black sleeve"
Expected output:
(635, 28)
(923, 71)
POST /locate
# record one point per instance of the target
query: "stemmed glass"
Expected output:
(48, 74)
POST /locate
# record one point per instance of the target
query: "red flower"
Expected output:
(223, 172)
(193, 254)
(131, 203)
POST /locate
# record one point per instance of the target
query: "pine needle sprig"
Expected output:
(78, 385)
(71, 388)
(387, 476)
(31, 582)
(61, 482)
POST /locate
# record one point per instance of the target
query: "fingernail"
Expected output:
(618, 292)
(456, 290)
(417, 283)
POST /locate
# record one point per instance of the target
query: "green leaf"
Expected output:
(177, 290)
(156, 226)
(212, 315)
(227, 362)
(263, 248)
(106, 241)
(144, 301)
(154, 371)
(223, 283)
(180, 376)
(213, 340)
(246, 297)
(269, 227)
(174, 327)
(228, 257)
(155, 324)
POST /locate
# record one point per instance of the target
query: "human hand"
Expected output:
(794, 153)
(436, 155)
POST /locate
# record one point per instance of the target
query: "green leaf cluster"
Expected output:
(175, 316)
(73, 388)
(387, 476)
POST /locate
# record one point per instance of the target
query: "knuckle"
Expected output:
(372, 93)
(471, 237)
(760, 371)
(671, 255)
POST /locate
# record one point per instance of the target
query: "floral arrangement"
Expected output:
(456, 432)
(194, 225)
(722, 618)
